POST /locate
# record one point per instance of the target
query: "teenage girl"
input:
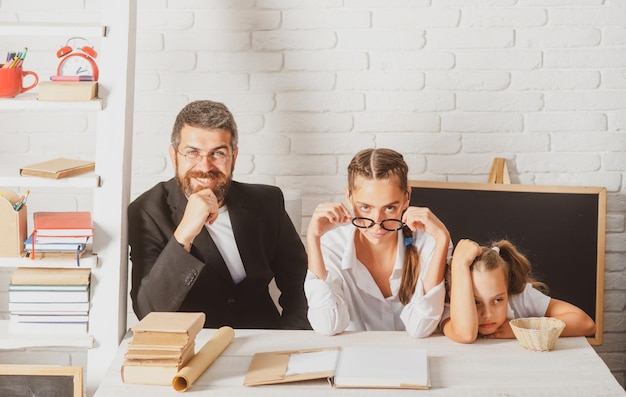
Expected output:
(378, 263)
(490, 285)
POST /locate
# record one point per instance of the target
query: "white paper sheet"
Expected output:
(321, 361)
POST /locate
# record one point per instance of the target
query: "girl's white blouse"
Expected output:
(349, 298)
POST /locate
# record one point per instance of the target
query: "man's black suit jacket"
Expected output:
(167, 278)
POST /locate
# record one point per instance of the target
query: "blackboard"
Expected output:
(560, 229)
(40, 381)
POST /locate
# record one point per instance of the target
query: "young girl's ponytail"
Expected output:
(519, 268)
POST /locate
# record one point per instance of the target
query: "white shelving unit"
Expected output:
(29, 100)
(110, 182)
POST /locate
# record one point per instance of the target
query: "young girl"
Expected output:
(490, 285)
(383, 267)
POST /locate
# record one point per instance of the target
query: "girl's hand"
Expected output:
(423, 218)
(465, 252)
(326, 216)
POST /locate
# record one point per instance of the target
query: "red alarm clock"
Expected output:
(77, 63)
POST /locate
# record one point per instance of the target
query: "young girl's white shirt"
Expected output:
(529, 303)
(349, 298)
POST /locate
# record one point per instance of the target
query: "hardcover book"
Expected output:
(159, 357)
(67, 90)
(59, 246)
(168, 328)
(151, 352)
(150, 374)
(49, 318)
(58, 168)
(47, 295)
(19, 328)
(48, 307)
(62, 223)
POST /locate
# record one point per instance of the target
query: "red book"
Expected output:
(63, 223)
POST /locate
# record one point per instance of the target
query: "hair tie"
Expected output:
(497, 249)
(408, 241)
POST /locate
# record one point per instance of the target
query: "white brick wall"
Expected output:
(450, 83)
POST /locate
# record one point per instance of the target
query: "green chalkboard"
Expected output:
(560, 229)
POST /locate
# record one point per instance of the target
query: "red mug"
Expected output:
(12, 82)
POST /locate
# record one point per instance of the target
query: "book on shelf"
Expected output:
(87, 259)
(50, 276)
(50, 313)
(48, 307)
(67, 91)
(49, 295)
(62, 223)
(62, 239)
(49, 318)
(45, 329)
(56, 251)
(168, 328)
(48, 287)
(58, 168)
(57, 256)
(344, 367)
(33, 244)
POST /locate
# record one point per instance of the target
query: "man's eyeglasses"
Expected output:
(387, 224)
(218, 157)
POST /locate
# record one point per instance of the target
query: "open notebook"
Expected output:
(344, 367)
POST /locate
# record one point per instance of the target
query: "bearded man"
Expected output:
(202, 242)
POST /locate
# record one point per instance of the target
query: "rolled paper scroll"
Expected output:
(203, 359)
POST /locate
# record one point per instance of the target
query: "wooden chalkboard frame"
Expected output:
(47, 371)
(451, 201)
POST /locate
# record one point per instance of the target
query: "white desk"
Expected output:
(484, 368)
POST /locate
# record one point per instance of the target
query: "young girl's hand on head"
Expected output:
(465, 252)
(326, 216)
(423, 218)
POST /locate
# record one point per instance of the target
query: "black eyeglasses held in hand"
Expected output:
(388, 224)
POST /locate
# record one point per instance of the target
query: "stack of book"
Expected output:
(162, 343)
(59, 235)
(45, 300)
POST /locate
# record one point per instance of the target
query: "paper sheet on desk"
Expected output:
(319, 361)
(203, 359)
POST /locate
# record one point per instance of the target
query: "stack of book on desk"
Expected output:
(44, 300)
(162, 343)
(59, 235)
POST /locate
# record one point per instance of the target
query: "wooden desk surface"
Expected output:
(484, 368)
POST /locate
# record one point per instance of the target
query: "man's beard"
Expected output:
(220, 190)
